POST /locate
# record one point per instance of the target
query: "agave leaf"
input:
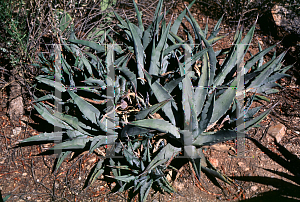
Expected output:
(138, 50)
(267, 71)
(194, 58)
(150, 110)
(257, 57)
(212, 62)
(216, 29)
(97, 170)
(116, 46)
(164, 183)
(60, 159)
(251, 112)
(74, 134)
(201, 90)
(274, 78)
(44, 137)
(227, 66)
(265, 87)
(93, 45)
(186, 94)
(6, 197)
(207, 113)
(179, 19)
(87, 65)
(161, 94)
(129, 130)
(100, 82)
(215, 173)
(65, 21)
(129, 75)
(66, 67)
(158, 124)
(49, 117)
(283, 70)
(190, 38)
(139, 17)
(72, 121)
(171, 48)
(101, 140)
(88, 110)
(193, 122)
(173, 84)
(211, 53)
(124, 178)
(48, 97)
(209, 138)
(144, 190)
(169, 151)
(124, 24)
(130, 157)
(215, 39)
(156, 52)
(156, 14)
(78, 143)
(222, 104)
(250, 124)
(57, 85)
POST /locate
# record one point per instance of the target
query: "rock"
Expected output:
(286, 19)
(254, 188)
(16, 106)
(169, 176)
(214, 162)
(16, 131)
(277, 131)
(220, 147)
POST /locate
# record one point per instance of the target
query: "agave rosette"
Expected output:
(175, 102)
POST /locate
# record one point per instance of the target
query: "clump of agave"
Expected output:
(154, 98)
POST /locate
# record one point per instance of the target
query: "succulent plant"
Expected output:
(153, 98)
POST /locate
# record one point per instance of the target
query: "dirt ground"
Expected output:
(268, 171)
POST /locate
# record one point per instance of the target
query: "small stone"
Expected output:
(24, 174)
(277, 131)
(241, 164)
(214, 162)
(220, 147)
(169, 176)
(16, 131)
(254, 188)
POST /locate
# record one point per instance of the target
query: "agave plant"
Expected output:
(154, 98)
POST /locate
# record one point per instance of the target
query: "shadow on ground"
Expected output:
(286, 190)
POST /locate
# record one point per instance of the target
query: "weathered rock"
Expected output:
(254, 188)
(220, 147)
(277, 131)
(16, 131)
(16, 106)
(286, 18)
